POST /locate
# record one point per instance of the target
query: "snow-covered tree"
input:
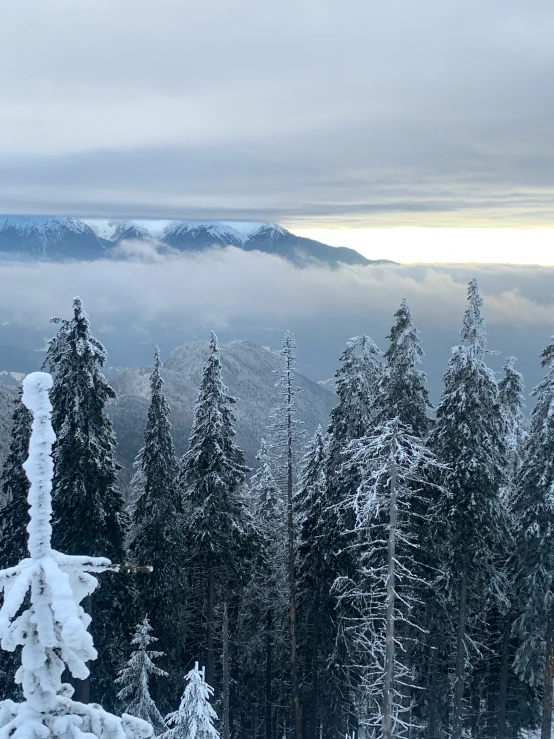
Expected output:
(469, 438)
(195, 717)
(357, 382)
(41, 611)
(89, 508)
(533, 514)
(14, 516)
(286, 428)
(217, 526)
(511, 393)
(403, 393)
(135, 677)
(261, 636)
(266, 495)
(157, 536)
(394, 468)
(357, 385)
(315, 603)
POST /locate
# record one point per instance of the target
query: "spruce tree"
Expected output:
(469, 438)
(221, 540)
(511, 392)
(357, 381)
(89, 508)
(315, 603)
(157, 536)
(403, 393)
(14, 517)
(533, 511)
(135, 677)
(195, 717)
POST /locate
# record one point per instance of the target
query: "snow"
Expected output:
(46, 226)
(52, 630)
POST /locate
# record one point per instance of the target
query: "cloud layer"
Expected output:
(303, 111)
(151, 299)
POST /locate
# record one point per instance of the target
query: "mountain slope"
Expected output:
(274, 239)
(53, 238)
(248, 371)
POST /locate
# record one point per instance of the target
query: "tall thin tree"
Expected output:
(286, 425)
(533, 510)
(469, 438)
(218, 529)
(157, 537)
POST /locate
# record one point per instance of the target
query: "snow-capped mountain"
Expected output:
(50, 237)
(198, 235)
(58, 238)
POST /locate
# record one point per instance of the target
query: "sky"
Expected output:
(365, 120)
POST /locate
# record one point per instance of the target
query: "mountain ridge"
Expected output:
(60, 238)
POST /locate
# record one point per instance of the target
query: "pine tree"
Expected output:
(195, 717)
(89, 509)
(403, 393)
(157, 536)
(471, 523)
(533, 510)
(134, 678)
(13, 522)
(41, 611)
(218, 529)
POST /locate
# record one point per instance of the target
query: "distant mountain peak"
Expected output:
(62, 238)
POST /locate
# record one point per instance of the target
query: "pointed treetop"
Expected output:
(263, 452)
(157, 360)
(474, 324)
(214, 342)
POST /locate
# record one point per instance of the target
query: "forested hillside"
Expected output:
(386, 570)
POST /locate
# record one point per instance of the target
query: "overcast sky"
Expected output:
(313, 113)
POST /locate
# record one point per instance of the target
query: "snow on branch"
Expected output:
(52, 630)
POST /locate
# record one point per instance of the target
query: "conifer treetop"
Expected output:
(473, 330)
(134, 678)
(195, 717)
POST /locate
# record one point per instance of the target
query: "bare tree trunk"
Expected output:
(314, 698)
(388, 692)
(546, 725)
(503, 688)
(458, 717)
(210, 627)
(268, 673)
(291, 565)
(226, 685)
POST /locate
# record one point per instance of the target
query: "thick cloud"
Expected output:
(301, 111)
(151, 299)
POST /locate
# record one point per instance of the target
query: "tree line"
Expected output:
(390, 577)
